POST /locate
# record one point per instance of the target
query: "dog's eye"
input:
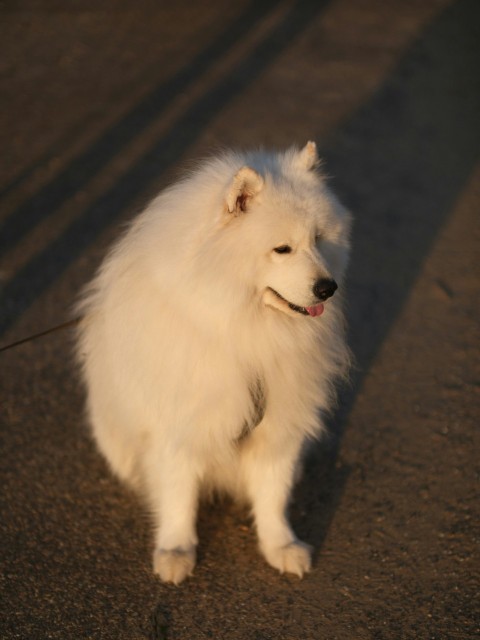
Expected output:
(318, 238)
(284, 248)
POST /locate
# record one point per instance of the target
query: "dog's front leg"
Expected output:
(269, 468)
(173, 481)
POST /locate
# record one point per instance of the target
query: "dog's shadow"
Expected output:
(399, 163)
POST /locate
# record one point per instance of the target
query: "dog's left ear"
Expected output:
(246, 184)
(308, 156)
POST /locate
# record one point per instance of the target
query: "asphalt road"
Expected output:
(102, 104)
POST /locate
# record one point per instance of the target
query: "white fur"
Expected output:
(181, 326)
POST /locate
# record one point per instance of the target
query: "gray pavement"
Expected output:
(103, 104)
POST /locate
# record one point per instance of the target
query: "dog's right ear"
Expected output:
(308, 157)
(246, 184)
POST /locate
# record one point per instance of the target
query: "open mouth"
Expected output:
(315, 310)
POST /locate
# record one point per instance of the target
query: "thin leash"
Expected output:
(64, 325)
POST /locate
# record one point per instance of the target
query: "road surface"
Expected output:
(103, 103)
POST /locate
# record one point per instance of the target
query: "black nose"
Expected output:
(324, 288)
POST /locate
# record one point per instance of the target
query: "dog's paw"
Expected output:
(292, 558)
(174, 565)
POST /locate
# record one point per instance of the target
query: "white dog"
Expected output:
(211, 342)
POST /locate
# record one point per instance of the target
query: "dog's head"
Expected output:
(297, 230)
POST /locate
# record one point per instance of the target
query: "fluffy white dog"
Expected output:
(211, 341)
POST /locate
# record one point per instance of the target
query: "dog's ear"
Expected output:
(308, 156)
(245, 186)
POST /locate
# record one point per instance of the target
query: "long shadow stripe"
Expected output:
(48, 265)
(82, 168)
(401, 162)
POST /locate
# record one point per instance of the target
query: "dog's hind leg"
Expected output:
(173, 486)
(268, 473)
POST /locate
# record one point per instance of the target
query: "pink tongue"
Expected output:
(317, 310)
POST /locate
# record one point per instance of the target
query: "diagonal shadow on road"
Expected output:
(399, 164)
(45, 268)
(77, 173)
